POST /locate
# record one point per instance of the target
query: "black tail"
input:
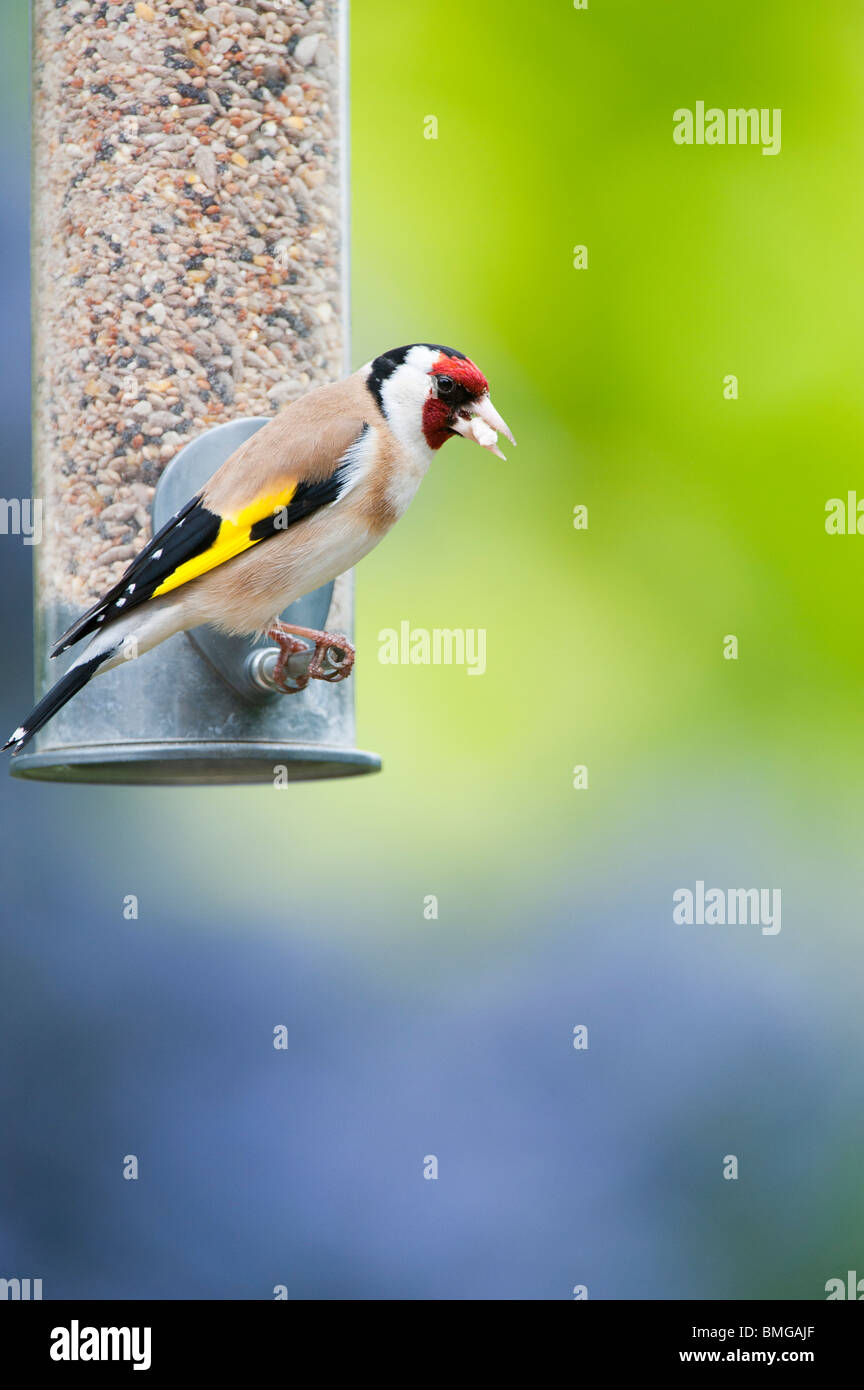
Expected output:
(74, 680)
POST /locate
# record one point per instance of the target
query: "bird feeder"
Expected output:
(190, 277)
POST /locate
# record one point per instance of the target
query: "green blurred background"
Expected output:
(604, 648)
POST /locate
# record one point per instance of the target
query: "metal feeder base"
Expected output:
(194, 764)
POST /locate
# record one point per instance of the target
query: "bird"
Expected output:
(301, 501)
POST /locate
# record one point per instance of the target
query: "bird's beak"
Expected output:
(483, 424)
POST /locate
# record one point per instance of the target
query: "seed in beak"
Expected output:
(473, 427)
(482, 433)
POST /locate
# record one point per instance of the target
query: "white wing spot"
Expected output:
(157, 554)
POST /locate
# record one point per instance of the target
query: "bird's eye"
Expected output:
(445, 386)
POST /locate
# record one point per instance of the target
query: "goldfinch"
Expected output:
(304, 499)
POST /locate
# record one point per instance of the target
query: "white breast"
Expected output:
(404, 473)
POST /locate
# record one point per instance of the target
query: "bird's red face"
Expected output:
(458, 403)
(429, 392)
(455, 383)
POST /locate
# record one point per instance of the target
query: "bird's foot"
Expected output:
(288, 646)
(331, 650)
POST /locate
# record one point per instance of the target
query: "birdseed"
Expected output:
(187, 247)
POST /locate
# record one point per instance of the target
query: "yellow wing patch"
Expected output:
(232, 539)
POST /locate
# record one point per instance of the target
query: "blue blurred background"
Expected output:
(410, 1037)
